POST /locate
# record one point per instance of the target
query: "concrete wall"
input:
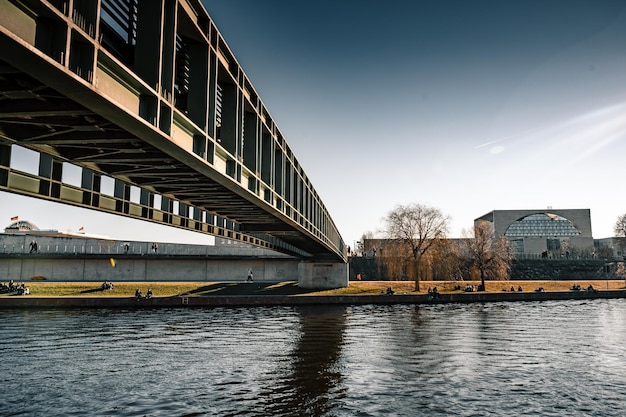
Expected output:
(147, 269)
(62, 258)
(322, 275)
(535, 244)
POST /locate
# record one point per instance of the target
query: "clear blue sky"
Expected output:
(468, 106)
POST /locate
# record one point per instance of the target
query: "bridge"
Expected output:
(146, 100)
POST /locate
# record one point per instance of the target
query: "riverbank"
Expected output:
(290, 288)
(203, 294)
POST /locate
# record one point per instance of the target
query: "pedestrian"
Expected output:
(250, 276)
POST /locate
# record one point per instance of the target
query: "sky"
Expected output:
(466, 106)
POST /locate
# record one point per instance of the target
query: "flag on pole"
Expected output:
(82, 229)
(15, 218)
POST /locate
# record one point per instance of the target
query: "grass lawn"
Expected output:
(121, 289)
(168, 289)
(375, 287)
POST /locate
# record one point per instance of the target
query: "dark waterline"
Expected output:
(537, 359)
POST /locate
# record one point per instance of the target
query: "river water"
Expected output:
(500, 359)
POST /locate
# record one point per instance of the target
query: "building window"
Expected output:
(542, 225)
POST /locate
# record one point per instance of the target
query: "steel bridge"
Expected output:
(146, 100)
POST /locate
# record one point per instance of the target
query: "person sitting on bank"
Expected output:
(149, 294)
(138, 294)
(433, 294)
(390, 291)
(23, 289)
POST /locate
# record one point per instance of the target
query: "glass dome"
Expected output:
(21, 226)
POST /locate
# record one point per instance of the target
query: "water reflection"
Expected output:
(313, 384)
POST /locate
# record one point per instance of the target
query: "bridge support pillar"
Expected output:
(323, 276)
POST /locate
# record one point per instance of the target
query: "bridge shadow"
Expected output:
(249, 288)
(92, 290)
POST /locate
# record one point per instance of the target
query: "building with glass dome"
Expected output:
(546, 233)
(21, 226)
(25, 227)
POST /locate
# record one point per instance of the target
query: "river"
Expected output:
(515, 359)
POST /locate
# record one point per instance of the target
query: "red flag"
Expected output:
(14, 219)
(82, 229)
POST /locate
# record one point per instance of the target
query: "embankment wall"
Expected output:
(146, 269)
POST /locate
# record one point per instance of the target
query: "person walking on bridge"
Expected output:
(250, 275)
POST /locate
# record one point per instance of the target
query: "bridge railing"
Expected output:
(133, 249)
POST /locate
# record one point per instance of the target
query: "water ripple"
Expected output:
(535, 359)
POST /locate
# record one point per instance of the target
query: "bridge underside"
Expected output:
(139, 108)
(36, 116)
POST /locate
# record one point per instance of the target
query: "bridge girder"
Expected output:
(49, 105)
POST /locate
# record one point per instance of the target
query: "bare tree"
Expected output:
(489, 253)
(620, 226)
(366, 242)
(416, 228)
(620, 230)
